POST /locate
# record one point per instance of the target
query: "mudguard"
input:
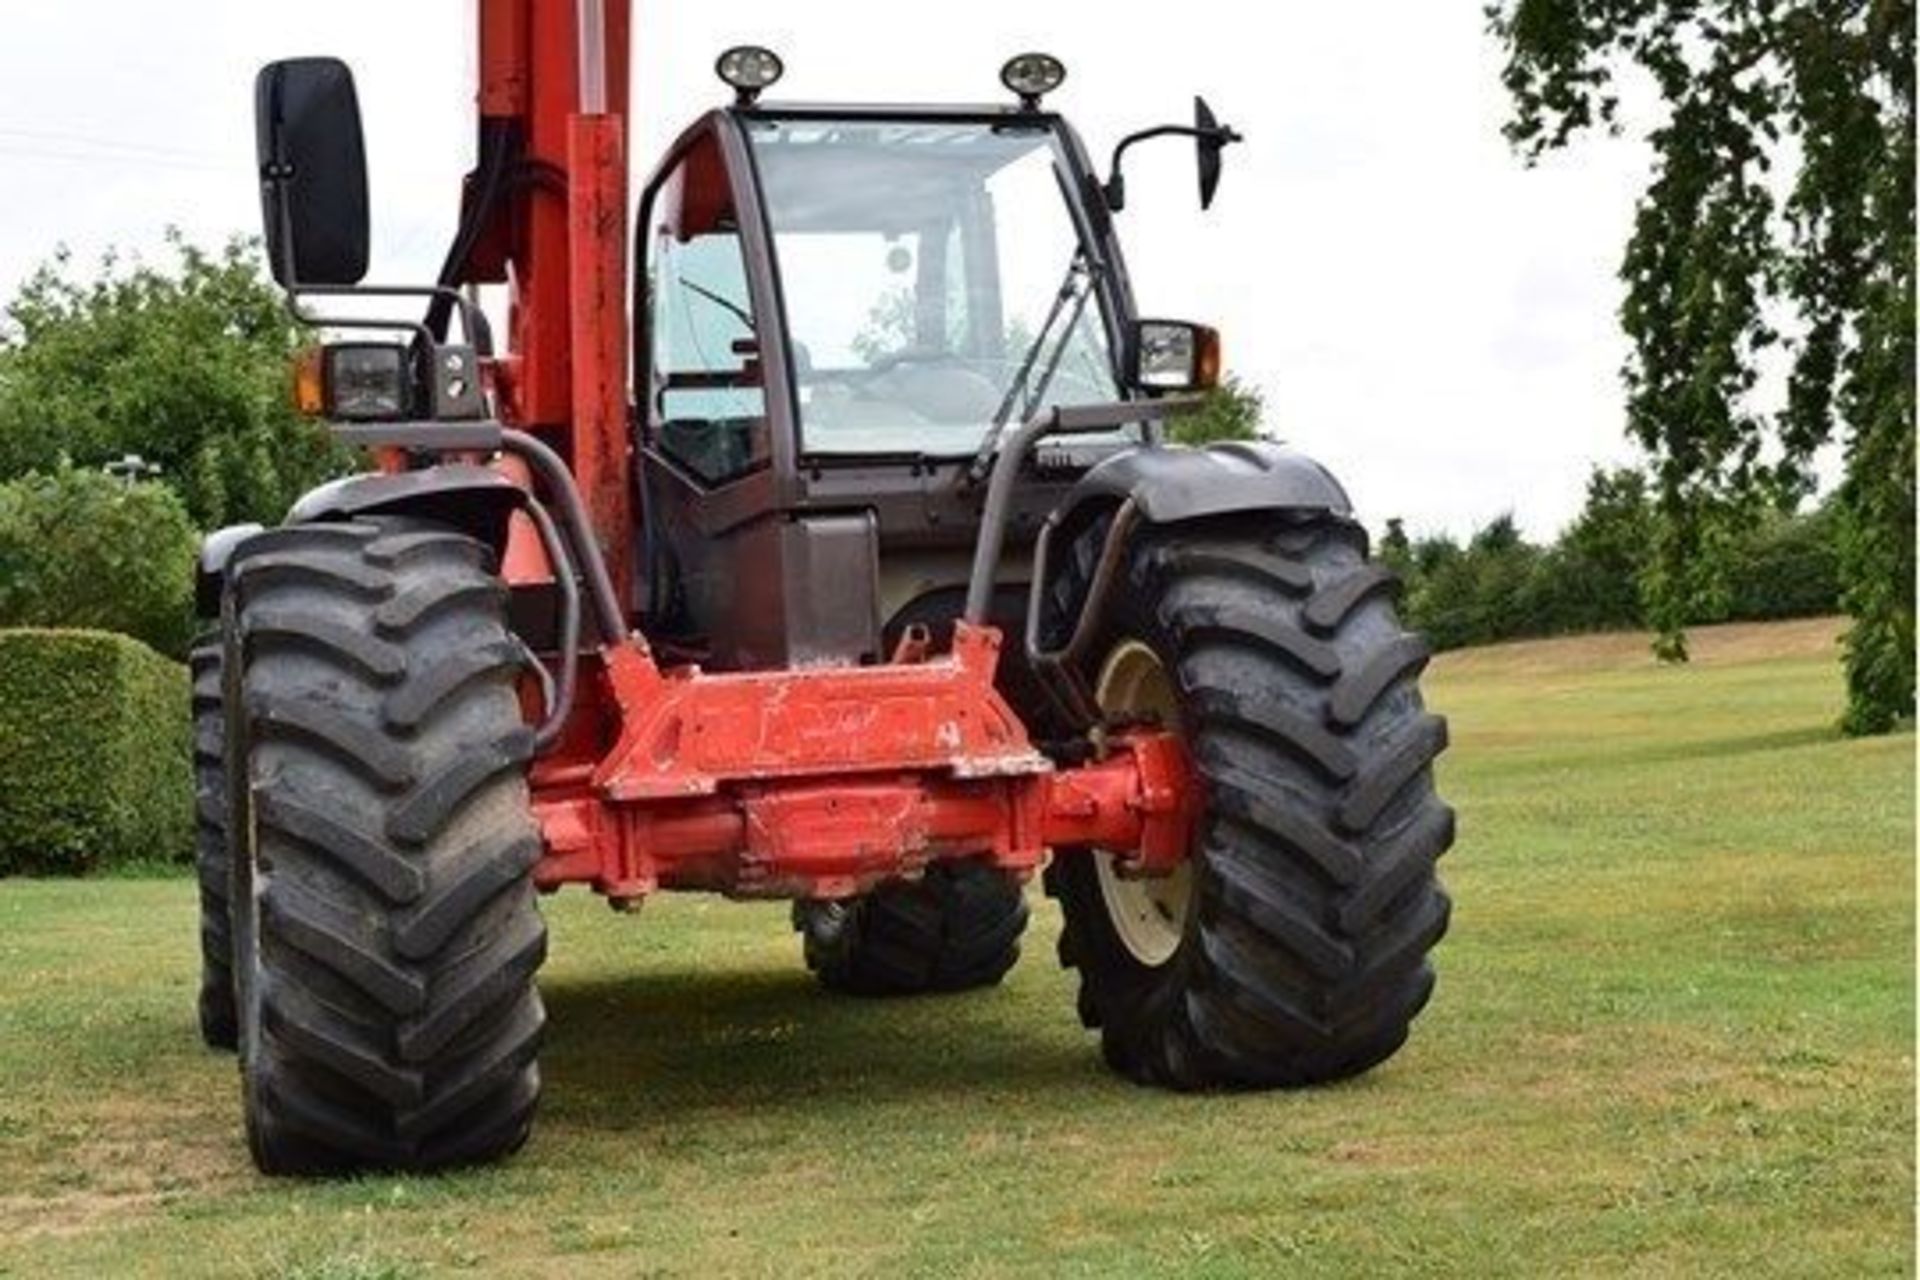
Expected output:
(1154, 485)
(476, 500)
(216, 553)
(1169, 485)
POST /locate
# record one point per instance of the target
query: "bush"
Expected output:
(82, 549)
(1787, 568)
(96, 766)
(1751, 567)
(1231, 411)
(1483, 593)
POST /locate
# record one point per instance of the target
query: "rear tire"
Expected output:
(955, 929)
(386, 935)
(219, 1020)
(1297, 954)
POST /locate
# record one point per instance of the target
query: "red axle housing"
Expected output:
(823, 784)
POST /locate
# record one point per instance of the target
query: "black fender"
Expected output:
(1170, 484)
(1162, 485)
(478, 501)
(210, 575)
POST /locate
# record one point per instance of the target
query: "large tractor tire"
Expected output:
(385, 929)
(219, 1023)
(955, 929)
(1292, 948)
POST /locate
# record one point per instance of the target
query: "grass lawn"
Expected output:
(1673, 1036)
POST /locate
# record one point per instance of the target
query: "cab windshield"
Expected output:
(934, 281)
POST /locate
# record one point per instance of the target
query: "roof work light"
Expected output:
(750, 70)
(1033, 76)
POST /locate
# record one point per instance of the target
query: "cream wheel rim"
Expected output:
(1149, 915)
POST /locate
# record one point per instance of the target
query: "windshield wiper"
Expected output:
(1075, 290)
(1041, 387)
(725, 303)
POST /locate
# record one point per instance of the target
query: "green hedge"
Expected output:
(96, 765)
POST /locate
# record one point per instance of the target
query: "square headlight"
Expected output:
(367, 382)
(1171, 355)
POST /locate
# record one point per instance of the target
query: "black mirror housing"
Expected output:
(1211, 141)
(1172, 357)
(313, 172)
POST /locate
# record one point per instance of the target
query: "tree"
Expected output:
(890, 327)
(1505, 566)
(1604, 555)
(1788, 567)
(83, 549)
(1396, 548)
(187, 367)
(1231, 411)
(1721, 251)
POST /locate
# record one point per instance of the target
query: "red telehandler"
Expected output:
(702, 579)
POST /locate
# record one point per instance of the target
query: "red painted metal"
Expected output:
(822, 784)
(505, 71)
(688, 733)
(528, 79)
(839, 835)
(818, 783)
(597, 233)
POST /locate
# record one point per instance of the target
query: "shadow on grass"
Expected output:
(645, 1045)
(1698, 750)
(1744, 745)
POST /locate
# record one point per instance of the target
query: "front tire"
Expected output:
(386, 936)
(1292, 949)
(219, 1019)
(955, 929)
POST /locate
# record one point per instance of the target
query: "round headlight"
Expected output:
(1033, 75)
(750, 70)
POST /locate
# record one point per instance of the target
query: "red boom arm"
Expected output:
(558, 235)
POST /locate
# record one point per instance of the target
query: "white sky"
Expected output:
(1429, 319)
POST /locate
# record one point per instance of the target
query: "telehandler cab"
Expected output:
(723, 608)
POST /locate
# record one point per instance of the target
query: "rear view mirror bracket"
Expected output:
(1211, 138)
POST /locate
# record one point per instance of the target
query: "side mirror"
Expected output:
(1172, 357)
(1210, 137)
(1211, 141)
(313, 172)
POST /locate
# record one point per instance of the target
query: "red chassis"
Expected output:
(822, 784)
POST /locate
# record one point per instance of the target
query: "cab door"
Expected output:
(729, 578)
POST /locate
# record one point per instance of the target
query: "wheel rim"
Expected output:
(1149, 915)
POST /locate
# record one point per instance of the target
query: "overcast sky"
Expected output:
(1431, 320)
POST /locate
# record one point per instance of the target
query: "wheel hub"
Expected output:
(1149, 915)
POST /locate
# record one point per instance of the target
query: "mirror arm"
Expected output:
(1116, 186)
(469, 314)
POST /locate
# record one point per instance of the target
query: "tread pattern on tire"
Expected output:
(219, 1019)
(1305, 956)
(391, 1020)
(956, 928)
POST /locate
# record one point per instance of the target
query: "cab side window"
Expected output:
(706, 398)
